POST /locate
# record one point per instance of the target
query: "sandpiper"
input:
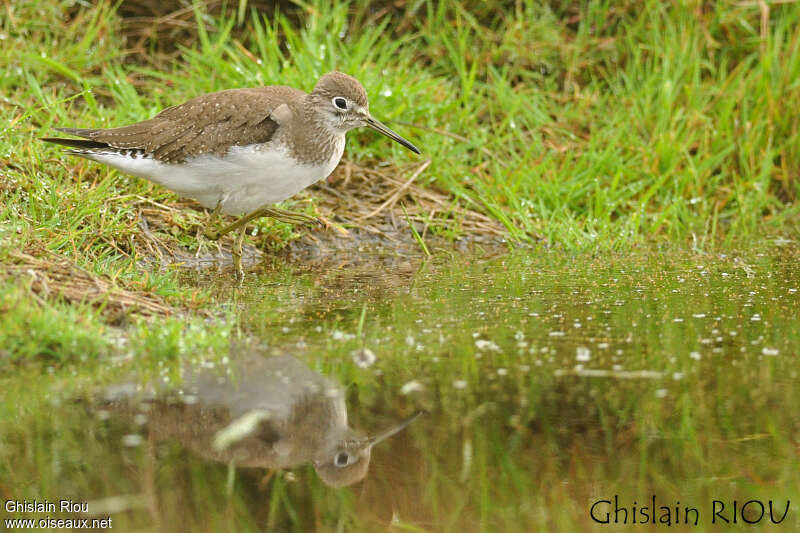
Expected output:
(239, 151)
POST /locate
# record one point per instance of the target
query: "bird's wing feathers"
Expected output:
(204, 125)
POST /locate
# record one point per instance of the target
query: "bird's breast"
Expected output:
(264, 174)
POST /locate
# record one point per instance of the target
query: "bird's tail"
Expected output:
(80, 144)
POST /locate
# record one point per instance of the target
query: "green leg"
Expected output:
(278, 214)
(212, 219)
(236, 252)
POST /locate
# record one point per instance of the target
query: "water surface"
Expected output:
(551, 383)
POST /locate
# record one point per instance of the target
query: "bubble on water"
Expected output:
(617, 368)
(410, 341)
(661, 393)
(695, 355)
(412, 386)
(342, 336)
(556, 333)
(132, 440)
(677, 376)
(502, 371)
(602, 345)
(460, 384)
(189, 399)
(332, 392)
(755, 318)
(769, 351)
(792, 291)
(524, 368)
(519, 336)
(486, 345)
(699, 315)
(677, 319)
(583, 354)
(364, 357)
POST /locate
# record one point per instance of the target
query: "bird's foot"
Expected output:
(209, 231)
(291, 217)
(211, 234)
(326, 224)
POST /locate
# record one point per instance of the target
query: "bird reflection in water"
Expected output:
(265, 412)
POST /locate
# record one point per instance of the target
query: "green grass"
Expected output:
(598, 125)
(593, 126)
(580, 126)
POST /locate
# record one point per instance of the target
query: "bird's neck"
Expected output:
(313, 140)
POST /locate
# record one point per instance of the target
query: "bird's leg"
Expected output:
(236, 252)
(208, 232)
(273, 212)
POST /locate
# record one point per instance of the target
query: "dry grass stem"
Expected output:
(59, 278)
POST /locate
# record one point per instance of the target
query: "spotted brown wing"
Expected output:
(204, 125)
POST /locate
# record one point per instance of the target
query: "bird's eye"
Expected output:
(341, 459)
(340, 102)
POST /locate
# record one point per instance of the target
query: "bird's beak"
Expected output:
(377, 125)
(372, 441)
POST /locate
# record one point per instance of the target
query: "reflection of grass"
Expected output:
(591, 127)
(520, 446)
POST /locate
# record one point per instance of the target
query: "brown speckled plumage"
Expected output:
(211, 123)
(214, 122)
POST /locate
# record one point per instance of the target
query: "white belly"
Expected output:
(246, 178)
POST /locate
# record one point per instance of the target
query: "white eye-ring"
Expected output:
(340, 102)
